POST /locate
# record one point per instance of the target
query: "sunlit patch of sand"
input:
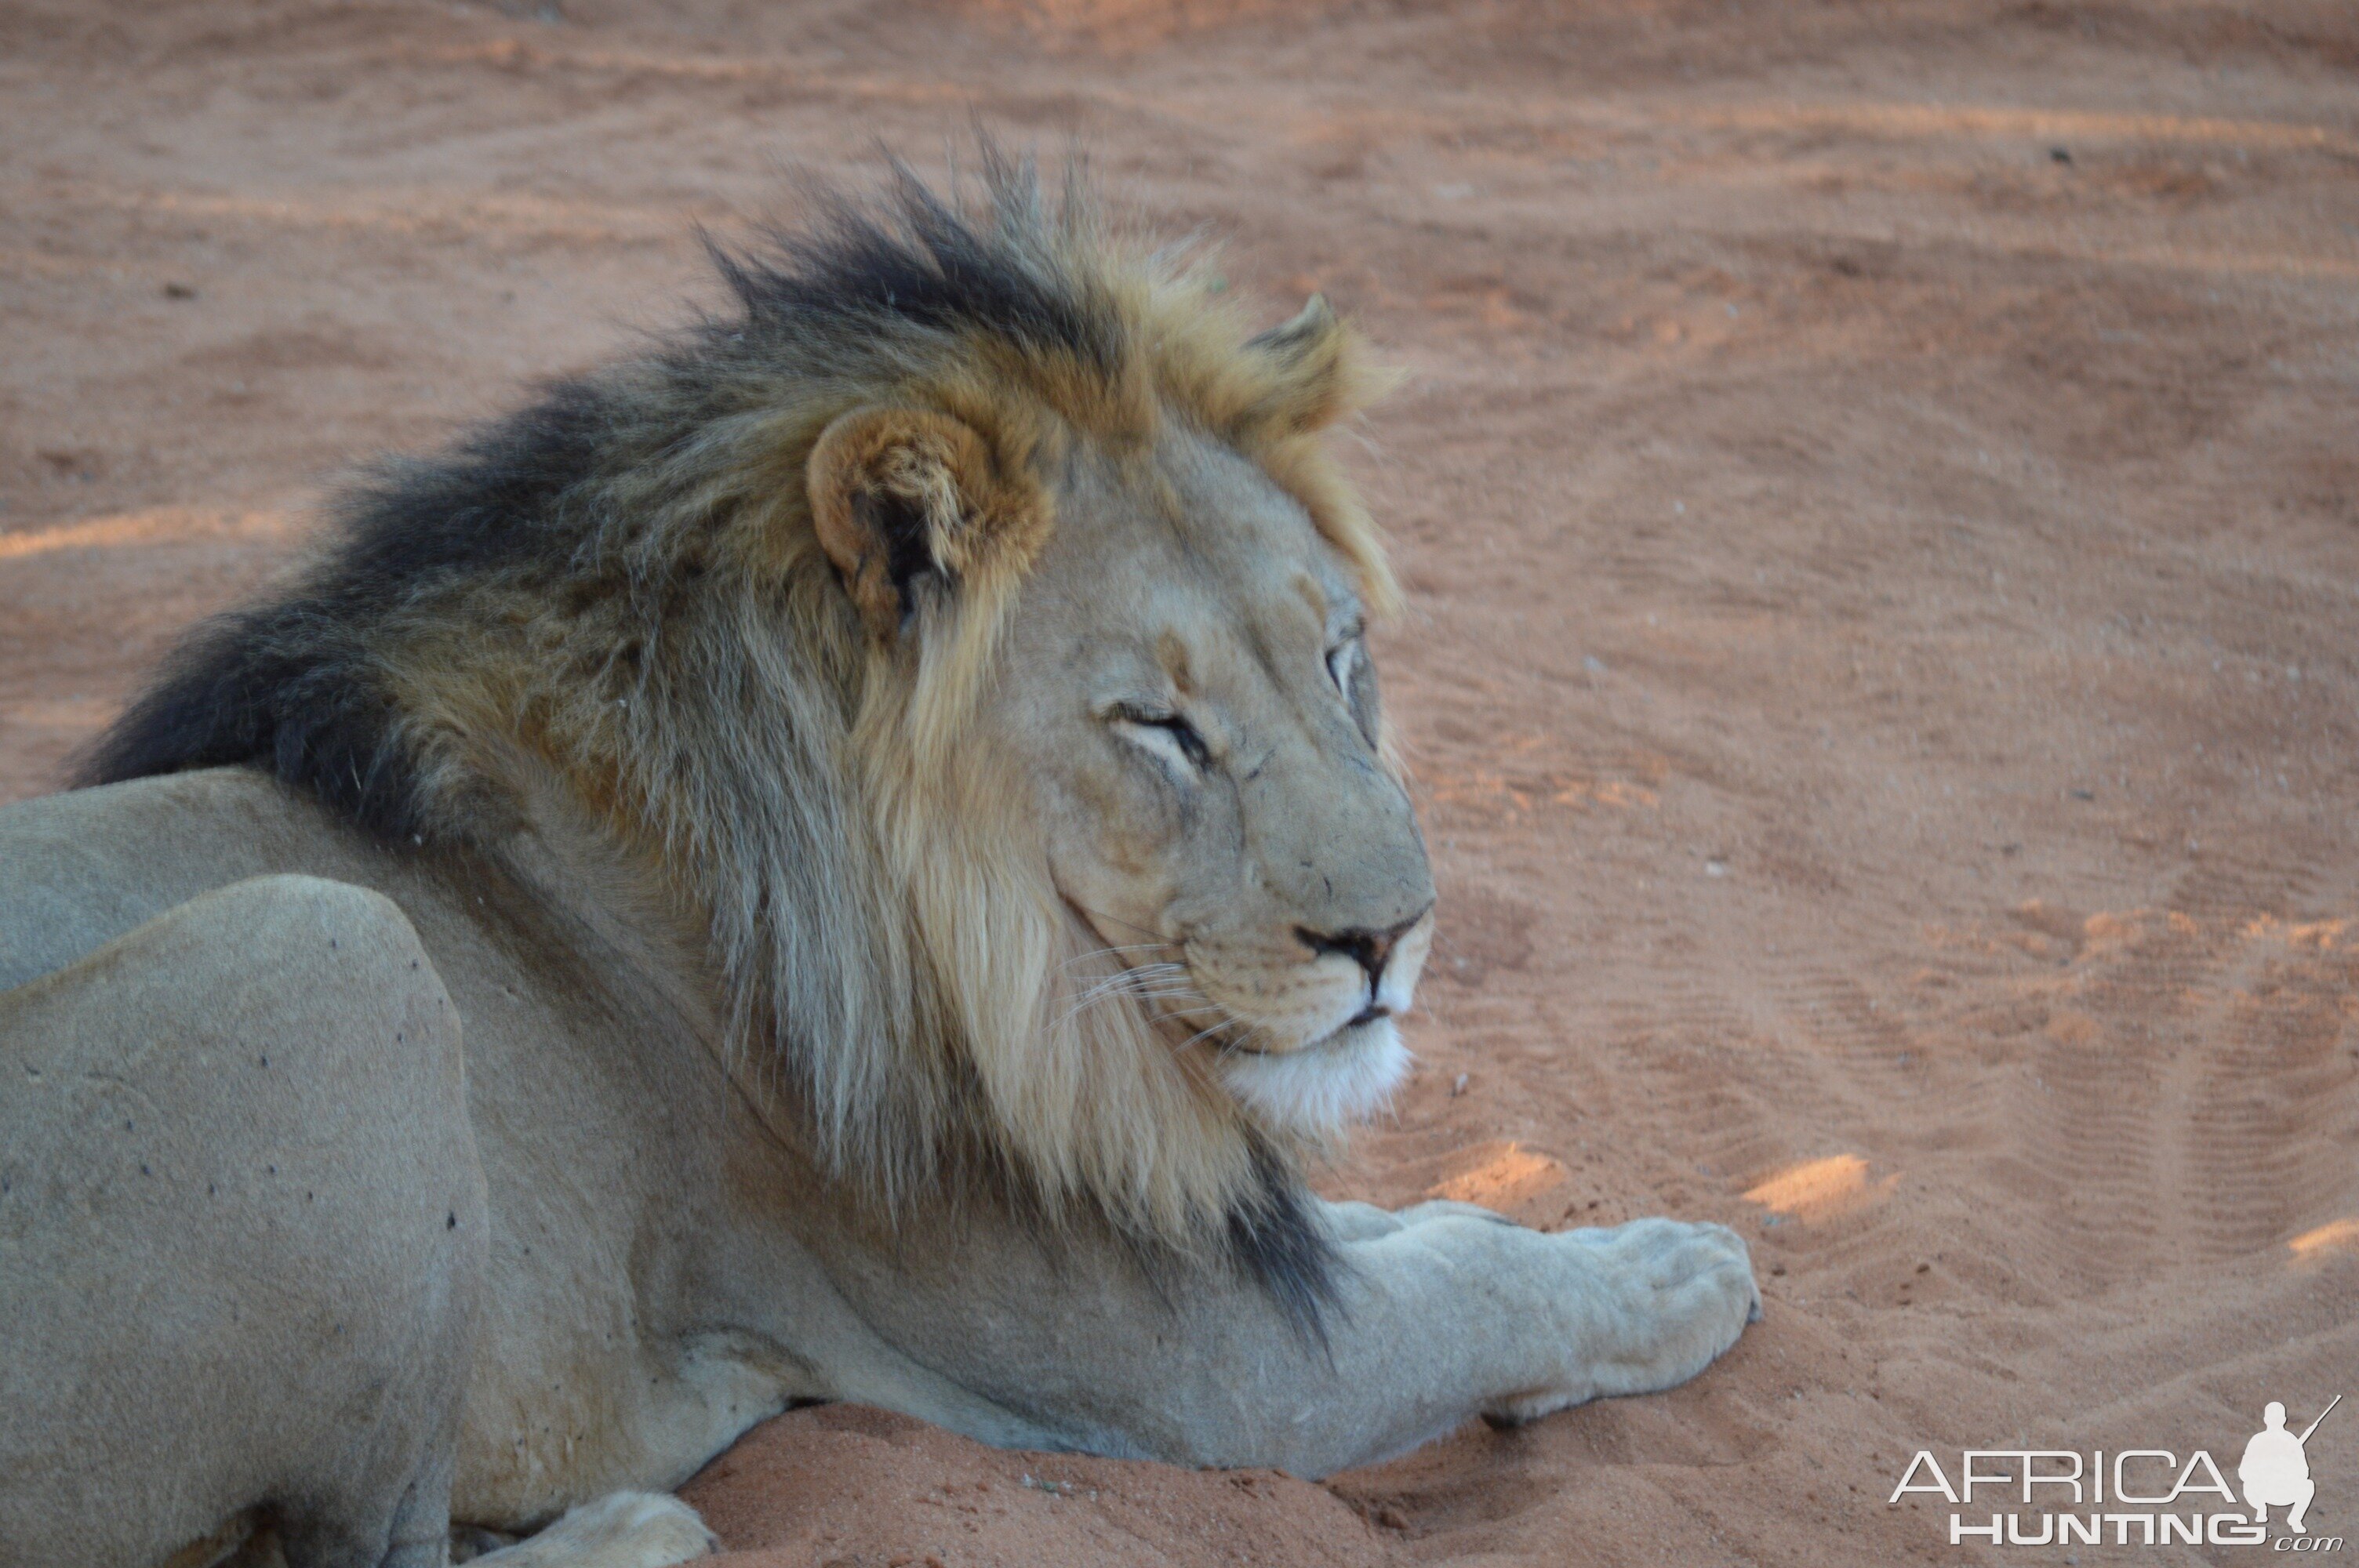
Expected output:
(1502, 1177)
(1607, 792)
(150, 525)
(2321, 935)
(1820, 1189)
(2334, 1235)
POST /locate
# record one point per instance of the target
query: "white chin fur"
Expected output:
(1323, 1088)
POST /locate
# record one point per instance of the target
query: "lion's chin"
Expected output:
(1321, 1089)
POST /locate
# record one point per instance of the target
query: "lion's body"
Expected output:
(634, 1203)
(823, 780)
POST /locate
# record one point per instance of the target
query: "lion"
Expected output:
(853, 856)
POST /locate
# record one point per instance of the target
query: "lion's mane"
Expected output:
(619, 589)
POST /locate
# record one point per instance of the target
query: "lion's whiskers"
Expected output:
(1248, 1031)
(1166, 982)
(1143, 981)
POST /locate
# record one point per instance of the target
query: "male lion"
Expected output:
(852, 858)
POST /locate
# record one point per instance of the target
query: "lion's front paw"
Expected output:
(1700, 1265)
(622, 1529)
(1656, 1300)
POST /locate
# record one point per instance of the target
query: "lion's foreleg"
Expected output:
(1444, 1312)
(1453, 1313)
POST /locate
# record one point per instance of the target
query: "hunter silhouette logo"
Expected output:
(2130, 1496)
(2275, 1470)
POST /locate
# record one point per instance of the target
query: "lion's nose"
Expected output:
(1371, 949)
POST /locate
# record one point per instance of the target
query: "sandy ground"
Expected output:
(1880, 488)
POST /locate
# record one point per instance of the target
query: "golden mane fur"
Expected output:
(624, 589)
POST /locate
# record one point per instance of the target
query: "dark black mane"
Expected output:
(911, 259)
(289, 686)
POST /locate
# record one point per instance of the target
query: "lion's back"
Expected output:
(79, 868)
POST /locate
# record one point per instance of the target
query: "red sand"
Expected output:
(1880, 488)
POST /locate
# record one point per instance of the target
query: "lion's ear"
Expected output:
(899, 494)
(1316, 369)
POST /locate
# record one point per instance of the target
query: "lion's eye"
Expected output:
(1342, 660)
(1165, 733)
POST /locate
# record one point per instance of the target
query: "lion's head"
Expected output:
(1194, 720)
(970, 630)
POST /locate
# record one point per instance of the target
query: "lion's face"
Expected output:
(1121, 738)
(1189, 694)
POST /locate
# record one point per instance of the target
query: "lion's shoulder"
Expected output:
(87, 866)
